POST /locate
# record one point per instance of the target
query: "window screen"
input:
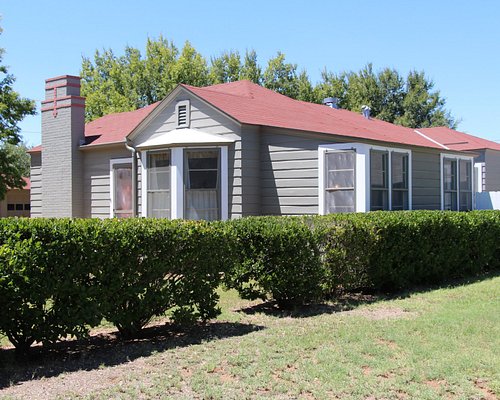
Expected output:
(379, 180)
(340, 181)
(202, 184)
(399, 181)
(159, 184)
(465, 180)
(450, 184)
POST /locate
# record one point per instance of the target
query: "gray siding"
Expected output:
(426, 173)
(209, 120)
(289, 172)
(96, 179)
(492, 161)
(249, 188)
(36, 185)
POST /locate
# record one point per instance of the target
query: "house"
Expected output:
(16, 202)
(238, 149)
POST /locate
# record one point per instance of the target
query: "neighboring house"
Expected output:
(16, 202)
(234, 150)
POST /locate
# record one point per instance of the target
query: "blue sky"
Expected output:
(457, 43)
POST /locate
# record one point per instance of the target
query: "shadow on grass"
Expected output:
(106, 349)
(350, 300)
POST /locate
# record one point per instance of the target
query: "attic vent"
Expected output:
(183, 114)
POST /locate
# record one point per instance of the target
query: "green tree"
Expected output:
(115, 84)
(305, 89)
(281, 76)
(191, 68)
(423, 107)
(161, 56)
(225, 68)
(331, 85)
(250, 69)
(13, 108)
(411, 102)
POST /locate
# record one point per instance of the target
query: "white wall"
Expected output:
(488, 201)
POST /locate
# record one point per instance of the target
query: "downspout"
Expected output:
(135, 197)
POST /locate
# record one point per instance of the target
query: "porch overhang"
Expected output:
(183, 137)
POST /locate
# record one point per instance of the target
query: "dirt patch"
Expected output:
(366, 370)
(388, 343)
(482, 385)
(436, 384)
(382, 313)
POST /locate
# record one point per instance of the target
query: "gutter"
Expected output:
(135, 197)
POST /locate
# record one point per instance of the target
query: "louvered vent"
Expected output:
(182, 115)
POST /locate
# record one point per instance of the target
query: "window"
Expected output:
(27, 207)
(361, 177)
(340, 181)
(183, 114)
(465, 185)
(158, 184)
(379, 180)
(121, 188)
(185, 182)
(457, 183)
(202, 184)
(19, 207)
(400, 178)
(11, 207)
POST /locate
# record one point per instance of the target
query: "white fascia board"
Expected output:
(184, 137)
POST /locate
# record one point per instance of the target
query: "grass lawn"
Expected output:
(443, 343)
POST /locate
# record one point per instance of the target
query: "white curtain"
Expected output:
(202, 176)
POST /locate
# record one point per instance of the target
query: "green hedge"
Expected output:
(278, 258)
(298, 260)
(58, 277)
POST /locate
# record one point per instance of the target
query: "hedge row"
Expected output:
(60, 277)
(300, 260)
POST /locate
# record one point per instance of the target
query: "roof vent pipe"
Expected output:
(332, 102)
(366, 111)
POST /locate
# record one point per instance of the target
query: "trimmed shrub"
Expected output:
(46, 288)
(278, 259)
(391, 251)
(155, 265)
(58, 277)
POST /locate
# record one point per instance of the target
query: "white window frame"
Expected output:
(177, 180)
(457, 157)
(112, 164)
(188, 113)
(362, 174)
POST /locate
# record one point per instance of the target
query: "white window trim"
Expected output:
(112, 163)
(188, 113)
(362, 177)
(478, 176)
(441, 180)
(177, 180)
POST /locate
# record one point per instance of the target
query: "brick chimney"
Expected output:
(63, 125)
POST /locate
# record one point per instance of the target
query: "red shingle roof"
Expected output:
(252, 104)
(459, 141)
(112, 128)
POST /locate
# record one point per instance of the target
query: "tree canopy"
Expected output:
(13, 108)
(122, 83)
